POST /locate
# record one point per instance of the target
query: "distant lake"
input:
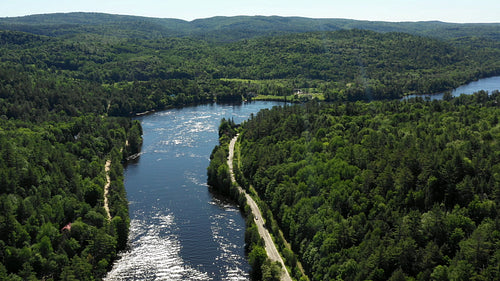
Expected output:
(487, 84)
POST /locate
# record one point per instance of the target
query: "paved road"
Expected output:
(272, 251)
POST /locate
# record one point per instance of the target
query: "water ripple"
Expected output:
(154, 253)
(179, 231)
(222, 225)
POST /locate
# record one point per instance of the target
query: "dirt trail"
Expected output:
(272, 251)
(107, 167)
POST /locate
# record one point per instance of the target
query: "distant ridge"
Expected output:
(229, 28)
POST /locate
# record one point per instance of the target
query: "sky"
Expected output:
(458, 11)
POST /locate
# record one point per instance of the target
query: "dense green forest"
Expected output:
(229, 28)
(54, 140)
(51, 177)
(382, 190)
(137, 75)
(55, 137)
(69, 84)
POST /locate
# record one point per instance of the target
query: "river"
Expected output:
(179, 230)
(488, 84)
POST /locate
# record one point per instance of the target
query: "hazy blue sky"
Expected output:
(385, 10)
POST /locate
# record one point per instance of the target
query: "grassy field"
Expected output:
(291, 98)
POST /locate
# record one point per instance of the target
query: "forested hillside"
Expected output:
(70, 82)
(55, 138)
(383, 190)
(358, 65)
(52, 220)
(137, 75)
(229, 28)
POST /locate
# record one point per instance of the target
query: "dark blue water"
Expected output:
(488, 84)
(179, 230)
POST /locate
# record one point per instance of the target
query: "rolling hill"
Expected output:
(228, 28)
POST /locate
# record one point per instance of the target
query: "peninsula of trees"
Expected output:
(399, 190)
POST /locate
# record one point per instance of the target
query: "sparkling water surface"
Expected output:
(179, 230)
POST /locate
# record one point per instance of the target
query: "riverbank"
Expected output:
(271, 249)
(173, 213)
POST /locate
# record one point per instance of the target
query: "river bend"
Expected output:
(179, 230)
